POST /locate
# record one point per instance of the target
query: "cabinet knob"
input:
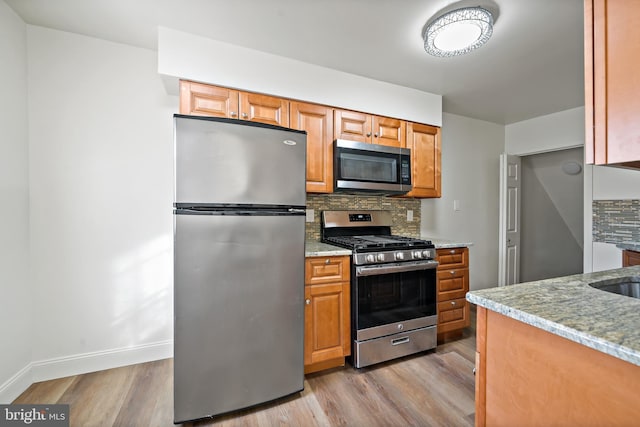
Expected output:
(452, 251)
(453, 303)
(452, 272)
(375, 135)
(327, 261)
(244, 115)
(368, 134)
(233, 113)
(307, 301)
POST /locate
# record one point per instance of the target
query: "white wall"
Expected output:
(101, 193)
(15, 290)
(470, 173)
(557, 131)
(201, 59)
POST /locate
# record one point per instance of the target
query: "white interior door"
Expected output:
(509, 239)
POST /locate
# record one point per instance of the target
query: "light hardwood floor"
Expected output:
(434, 388)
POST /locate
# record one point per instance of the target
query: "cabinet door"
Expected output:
(317, 120)
(206, 100)
(612, 83)
(388, 131)
(424, 142)
(352, 125)
(264, 109)
(327, 323)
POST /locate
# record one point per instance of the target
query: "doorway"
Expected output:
(552, 216)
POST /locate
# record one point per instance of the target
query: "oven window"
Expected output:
(361, 167)
(396, 297)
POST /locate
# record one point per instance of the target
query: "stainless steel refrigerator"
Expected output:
(239, 223)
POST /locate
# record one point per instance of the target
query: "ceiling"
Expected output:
(532, 65)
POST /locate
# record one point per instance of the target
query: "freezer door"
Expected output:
(239, 311)
(234, 162)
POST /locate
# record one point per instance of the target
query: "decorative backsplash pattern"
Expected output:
(616, 221)
(397, 206)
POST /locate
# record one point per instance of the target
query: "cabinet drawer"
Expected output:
(453, 314)
(453, 283)
(326, 269)
(453, 258)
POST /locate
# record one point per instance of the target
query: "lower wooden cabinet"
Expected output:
(453, 285)
(327, 321)
(630, 258)
(528, 376)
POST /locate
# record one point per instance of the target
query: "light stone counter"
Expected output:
(629, 246)
(569, 307)
(446, 244)
(316, 248)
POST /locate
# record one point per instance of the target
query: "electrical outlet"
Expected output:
(310, 215)
(409, 215)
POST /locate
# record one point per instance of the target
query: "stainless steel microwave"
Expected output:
(369, 168)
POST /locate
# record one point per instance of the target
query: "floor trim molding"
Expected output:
(60, 367)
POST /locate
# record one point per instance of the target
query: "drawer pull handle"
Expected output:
(452, 272)
(399, 341)
(453, 303)
(453, 251)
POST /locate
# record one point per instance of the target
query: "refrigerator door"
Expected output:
(232, 162)
(239, 311)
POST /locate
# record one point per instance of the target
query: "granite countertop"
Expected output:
(569, 307)
(445, 244)
(316, 248)
(629, 246)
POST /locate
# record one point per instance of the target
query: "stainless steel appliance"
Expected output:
(393, 286)
(371, 168)
(238, 265)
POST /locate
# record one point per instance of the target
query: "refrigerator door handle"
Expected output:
(294, 210)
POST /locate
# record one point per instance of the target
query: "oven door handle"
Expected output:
(372, 270)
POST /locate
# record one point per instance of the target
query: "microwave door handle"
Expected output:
(395, 268)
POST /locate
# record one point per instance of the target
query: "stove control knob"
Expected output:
(426, 254)
(380, 257)
(370, 258)
(400, 256)
(417, 254)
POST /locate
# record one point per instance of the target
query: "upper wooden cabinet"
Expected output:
(612, 82)
(424, 142)
(206, 100)
(323, 124)
(317, 120)
(362, 127)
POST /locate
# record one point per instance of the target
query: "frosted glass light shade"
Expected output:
(458, 32)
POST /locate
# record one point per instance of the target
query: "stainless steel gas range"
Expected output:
(393, 286)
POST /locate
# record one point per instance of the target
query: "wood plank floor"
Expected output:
(434, 388)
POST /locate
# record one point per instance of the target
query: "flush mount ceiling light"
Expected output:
(458, 32)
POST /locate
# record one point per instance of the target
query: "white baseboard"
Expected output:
(15, 385)
(60, 367)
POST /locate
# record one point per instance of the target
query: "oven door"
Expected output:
(392, 298)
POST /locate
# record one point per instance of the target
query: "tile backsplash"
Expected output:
(616, 221)
(397, 206)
